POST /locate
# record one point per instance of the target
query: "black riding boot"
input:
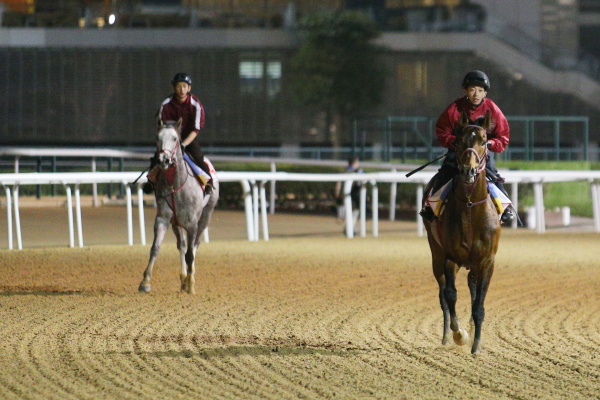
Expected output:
(508, 215)
(148, 187)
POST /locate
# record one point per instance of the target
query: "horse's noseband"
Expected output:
(481, 160)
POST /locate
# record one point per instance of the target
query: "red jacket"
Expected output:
(190, 111)
(498, 134)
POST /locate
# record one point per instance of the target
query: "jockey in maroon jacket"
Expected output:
(475, 104)
(183, 104)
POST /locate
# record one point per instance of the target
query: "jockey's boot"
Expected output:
(508, 215)
(427, 214)
(208, 187)
(148, 187)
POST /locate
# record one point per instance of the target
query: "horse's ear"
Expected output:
(159, 122)
(464, 119)
(487, 121)
(178, 126)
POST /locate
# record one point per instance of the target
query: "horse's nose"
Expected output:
(469, 171)
(163, 160)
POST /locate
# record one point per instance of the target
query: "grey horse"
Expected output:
(181, 202)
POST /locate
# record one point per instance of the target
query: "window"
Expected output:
(412, 78)
(258, 77)
(251, 75)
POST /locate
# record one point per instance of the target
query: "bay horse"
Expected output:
(466, 234)
(181, 202)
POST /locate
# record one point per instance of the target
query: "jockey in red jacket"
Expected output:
(183, 104)
(475, 104)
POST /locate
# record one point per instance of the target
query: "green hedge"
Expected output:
(575, 195)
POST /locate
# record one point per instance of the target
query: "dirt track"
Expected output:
(297, 317)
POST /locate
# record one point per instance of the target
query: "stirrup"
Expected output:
(208, 187)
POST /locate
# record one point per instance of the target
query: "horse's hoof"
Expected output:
(461, 337)
(144, 288)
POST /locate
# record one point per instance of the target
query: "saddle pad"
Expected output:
(212, 170)
(203, 177)
(500, 200)
(436, 200)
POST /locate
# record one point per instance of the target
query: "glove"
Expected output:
(182, 147)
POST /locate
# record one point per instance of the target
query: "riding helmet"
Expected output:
(181, 77)
(478, 78)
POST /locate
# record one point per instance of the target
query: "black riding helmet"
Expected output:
(476, 78)
(181, 77)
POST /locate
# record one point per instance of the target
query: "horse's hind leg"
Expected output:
(472, 282)
(483, 278)
(160, 228)
(459, 335)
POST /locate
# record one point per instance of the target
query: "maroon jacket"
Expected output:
(498, 134)
(190, 111)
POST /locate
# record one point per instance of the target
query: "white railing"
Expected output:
(255, 201)
(98, 153)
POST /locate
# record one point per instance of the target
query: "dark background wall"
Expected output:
(109, 95)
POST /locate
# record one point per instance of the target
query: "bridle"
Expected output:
(171, 153)
(481, 159)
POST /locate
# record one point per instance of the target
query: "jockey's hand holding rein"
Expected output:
(189, 139)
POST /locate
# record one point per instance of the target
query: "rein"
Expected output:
(469, 188)
(169, 176)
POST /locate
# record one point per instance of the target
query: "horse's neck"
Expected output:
(181, 174)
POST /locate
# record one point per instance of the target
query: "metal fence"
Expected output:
(533, 138)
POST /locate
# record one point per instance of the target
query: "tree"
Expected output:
(336, 69)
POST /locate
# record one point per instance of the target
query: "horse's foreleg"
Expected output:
(477, 308)
(459, 335)
(192, 248)
(160, 228)
(446, 313)
(182, 246)
(190, 259)
(438, 272)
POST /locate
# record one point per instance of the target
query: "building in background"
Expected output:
(101, 84)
